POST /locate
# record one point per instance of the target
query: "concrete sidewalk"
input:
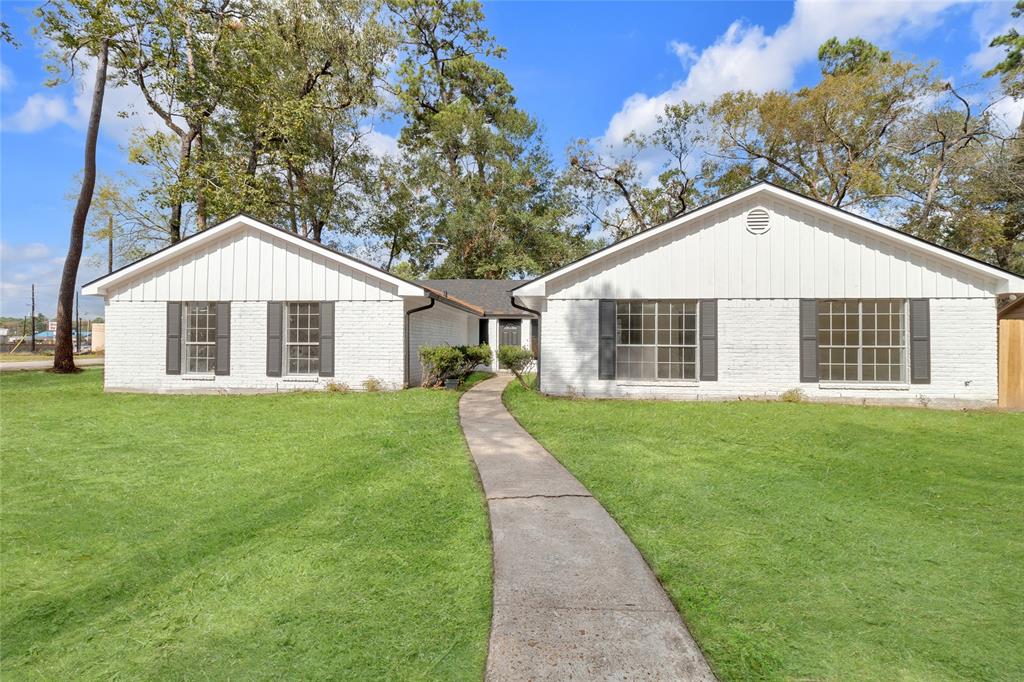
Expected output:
(45, 364)
(573, 598)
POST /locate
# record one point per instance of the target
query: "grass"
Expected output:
(291, 536)
(815, 542)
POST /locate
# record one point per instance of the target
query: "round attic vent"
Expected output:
(757, 221)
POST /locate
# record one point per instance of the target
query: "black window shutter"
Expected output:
(222, 366)
(327, 338)
(275, 320)
(606, 339)
(709, 340)
(808, 339)
(174, 337)
(920, 342)
(484, 335)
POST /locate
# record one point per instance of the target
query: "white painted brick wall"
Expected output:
(437, 326)
(368, 343)
(758, 355)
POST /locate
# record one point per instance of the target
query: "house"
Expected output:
(765, 291)
(501, 323)
(245, 307)
(753, 295)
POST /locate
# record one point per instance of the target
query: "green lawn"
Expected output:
(298, 536)
(816, 542)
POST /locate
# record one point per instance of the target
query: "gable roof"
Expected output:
(492, 296)
(1012, 281)
(101, 285)
(1011, 306)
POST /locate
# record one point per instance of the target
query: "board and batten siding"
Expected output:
(250, 265)
(802, 255)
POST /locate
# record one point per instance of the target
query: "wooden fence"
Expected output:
(1011, 363)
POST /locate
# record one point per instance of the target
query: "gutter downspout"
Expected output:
(539, 331)
(407, 349)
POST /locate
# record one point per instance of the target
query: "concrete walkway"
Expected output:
(18, 366)
(573, 598)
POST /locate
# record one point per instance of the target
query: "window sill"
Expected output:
(866, 386)
(685, 383)
(198, 377)
(302, 379)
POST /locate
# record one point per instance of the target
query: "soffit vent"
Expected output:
(757, 221)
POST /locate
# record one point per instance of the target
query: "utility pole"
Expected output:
(33, 318)
(78, 323)
(110, 244)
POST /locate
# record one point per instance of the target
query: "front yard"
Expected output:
(815, 542)
(298, 536)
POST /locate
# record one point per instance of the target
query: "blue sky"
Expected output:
(583, 69)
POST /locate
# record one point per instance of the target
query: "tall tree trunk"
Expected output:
(200, 189)
(184, 152)
(64, 357)
(110, 244)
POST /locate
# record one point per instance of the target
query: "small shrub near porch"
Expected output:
(516, 359)
(441, 363)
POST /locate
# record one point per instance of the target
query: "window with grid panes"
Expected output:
(200, 337)
(862, 340)
(302, 338)
(656, 340)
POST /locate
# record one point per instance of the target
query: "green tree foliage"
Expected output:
(612, 192)
(856, 55)
(876, 135)
(492, 206)
(1011, 68)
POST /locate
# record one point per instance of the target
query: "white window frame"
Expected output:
(860, 347)
(211, 341)
(656, 345)
(288, 344)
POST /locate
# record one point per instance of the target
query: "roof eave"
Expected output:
(1005, 281)
(101, 285)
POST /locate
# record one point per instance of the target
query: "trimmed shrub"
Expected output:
(373, 385)
(451, 362)
(517, 359)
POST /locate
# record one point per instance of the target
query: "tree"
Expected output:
(833, 141)
(856, 55)
(493, 207)
(610, 188)
(76, 27)
(175, 57)
(297, 110)
(940, 145)
(1011, 68)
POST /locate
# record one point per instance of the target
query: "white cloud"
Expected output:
(35, 263)
(44, 110)
(38, 113)
(14, 253)
(1009, 111)
(686, 52)
(382, 144)
(746, 57)
(6, 76)
(989, 21)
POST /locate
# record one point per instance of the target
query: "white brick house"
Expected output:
(766, 291)
(247, 307)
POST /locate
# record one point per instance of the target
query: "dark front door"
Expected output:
(510, 332)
